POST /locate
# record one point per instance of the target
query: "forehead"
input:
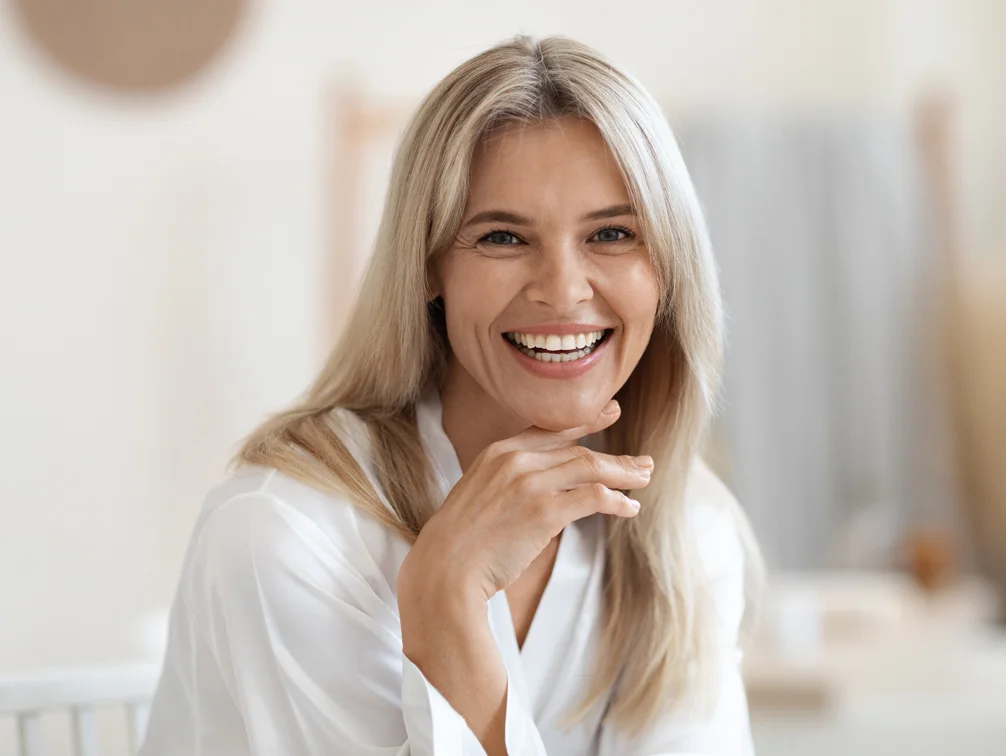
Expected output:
(560, 163)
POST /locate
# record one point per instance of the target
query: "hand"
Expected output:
(518, 494)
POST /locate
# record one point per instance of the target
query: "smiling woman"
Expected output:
(548, 221)
(436, 551)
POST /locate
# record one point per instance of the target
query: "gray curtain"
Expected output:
(827, 253)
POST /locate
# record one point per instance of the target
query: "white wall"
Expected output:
(161, 262)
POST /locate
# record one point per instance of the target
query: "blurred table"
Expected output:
(867, 663)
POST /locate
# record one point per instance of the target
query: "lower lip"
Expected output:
(571, 369)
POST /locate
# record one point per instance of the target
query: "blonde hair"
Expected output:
(656, 634)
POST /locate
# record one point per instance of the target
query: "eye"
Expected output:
(501, 238)
(613, 234)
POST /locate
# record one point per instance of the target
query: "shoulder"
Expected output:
(714, 520)
(265, 501)
(718, 532)
(262, 529)
(260, 512)
(275, 505)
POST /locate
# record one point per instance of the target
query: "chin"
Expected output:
(561, 416)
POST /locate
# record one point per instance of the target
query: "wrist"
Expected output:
(437, 609)
(432, 582)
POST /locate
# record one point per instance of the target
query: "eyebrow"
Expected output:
(503, 216)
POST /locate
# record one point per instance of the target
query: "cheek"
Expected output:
(637, 293)
(476, 292)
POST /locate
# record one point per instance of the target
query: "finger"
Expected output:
(574, 466)
(539, 439)
(587, 500)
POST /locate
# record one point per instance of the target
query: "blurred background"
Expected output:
(187, 196)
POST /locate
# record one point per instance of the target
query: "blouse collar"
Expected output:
(430, 421)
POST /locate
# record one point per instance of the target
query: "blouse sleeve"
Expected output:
(309, 646)
(725, 729)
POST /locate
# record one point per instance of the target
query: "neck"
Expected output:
(472, 419)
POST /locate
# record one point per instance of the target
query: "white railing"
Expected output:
(80, 692)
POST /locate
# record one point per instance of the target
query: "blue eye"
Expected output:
(611, 234)
(500, 238)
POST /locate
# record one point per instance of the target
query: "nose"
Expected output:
(561, 277)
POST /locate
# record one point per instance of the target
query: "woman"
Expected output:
(434, 552)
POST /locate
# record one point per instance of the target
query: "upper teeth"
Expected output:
(554, 343)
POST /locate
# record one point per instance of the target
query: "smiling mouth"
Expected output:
(542, 354)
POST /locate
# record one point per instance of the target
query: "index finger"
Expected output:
(539, 439)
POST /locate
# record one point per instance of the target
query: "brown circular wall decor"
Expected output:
(131, 45)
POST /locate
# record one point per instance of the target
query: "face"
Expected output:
(548, 289)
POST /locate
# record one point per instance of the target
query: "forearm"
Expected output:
(447, 636)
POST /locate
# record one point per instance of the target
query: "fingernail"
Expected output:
(611, 408)
(632, 503)
(645, 461)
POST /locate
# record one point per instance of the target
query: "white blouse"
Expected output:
(285, 637)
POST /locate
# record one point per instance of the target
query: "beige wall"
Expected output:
(160, 262)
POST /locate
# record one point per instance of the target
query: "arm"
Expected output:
(515, 497)
(446, 634)
(725, 730)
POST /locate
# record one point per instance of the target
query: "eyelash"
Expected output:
(628, 235)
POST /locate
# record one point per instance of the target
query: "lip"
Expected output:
(560, 329)
(561, 369)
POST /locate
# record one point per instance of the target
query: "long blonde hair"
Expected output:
(655, 635)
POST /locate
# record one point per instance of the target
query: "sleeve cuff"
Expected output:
(433, 726)
(522, 737)
(436, 729)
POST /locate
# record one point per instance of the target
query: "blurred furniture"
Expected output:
(869, 663)
(976, 340)
(361, 126)
(973, 331)
(80, 692)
